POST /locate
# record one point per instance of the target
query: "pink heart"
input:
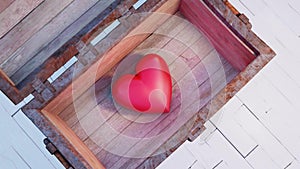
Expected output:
(149, 90)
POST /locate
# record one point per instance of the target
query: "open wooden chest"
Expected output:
(211, 53)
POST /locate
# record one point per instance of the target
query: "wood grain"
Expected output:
(88, 101)
(85, 102)
(14, 13)
(177, 30)
(68, 35)
(112, 118)
(118, 13)
(227, 44)
(132, 129)
(106, 110)
(29, 26)
(44, 36)
(89, 118)
(87, 79)
(4, 4)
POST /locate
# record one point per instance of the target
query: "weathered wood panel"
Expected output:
(4, 4)
(120, 11)
(81, 18)
(86, 102)
(14, 13)
(44, 36)
(154, 41)
(224, 41)
(159, 39)
(87, 79)
(184, 40)
(106, 108)
(29, 26)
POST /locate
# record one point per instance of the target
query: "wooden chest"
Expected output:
(211, 53)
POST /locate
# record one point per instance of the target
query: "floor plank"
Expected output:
(10, 158)
(222, 148)
(234, 133)
(259, 159)
(17, 148)
(36, 136)
(204, 154)
(184, 159)
(280, 155)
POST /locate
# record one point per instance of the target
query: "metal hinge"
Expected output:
(54, 151)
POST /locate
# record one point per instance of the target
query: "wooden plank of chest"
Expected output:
(14, 13)
(118, 52)
(122, 123)
(4, 4)
(176, 67)
(44, 36)
(85, 103)
(88, 101)
(82, 111)
(201, 46)
(29, 26)
(199, 73)
(223, 39)
(189, 38)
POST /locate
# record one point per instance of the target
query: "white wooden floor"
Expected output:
(21, 143)
(260, 127)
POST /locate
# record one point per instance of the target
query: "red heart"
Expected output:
(149, 90)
